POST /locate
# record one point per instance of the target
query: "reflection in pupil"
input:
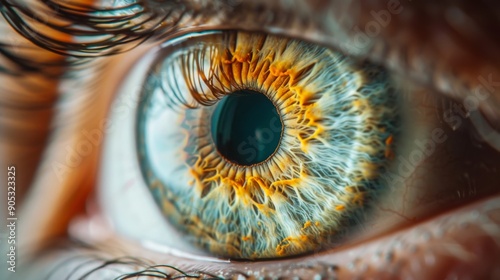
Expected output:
(246, 127)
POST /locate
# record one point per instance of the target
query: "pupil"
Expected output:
(246, 127)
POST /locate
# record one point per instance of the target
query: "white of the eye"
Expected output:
(123, 193)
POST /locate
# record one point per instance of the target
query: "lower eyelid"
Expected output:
(435, 247)
(442, 247)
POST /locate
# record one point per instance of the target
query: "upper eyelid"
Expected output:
(404, 44)
(334, 19)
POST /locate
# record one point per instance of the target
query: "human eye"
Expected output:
(465, 169)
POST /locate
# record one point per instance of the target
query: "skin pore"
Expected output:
(48, 99)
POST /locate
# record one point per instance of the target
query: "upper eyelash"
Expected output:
(98, 31)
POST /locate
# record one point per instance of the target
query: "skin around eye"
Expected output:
(473, 164)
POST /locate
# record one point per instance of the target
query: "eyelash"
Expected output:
(128, 24)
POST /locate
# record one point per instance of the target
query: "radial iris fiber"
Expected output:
(339, 118)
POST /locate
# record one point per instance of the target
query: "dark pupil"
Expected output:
(246, 127)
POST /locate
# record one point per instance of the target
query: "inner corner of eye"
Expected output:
(257, 146)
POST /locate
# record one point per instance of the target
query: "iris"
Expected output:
(258, 146)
